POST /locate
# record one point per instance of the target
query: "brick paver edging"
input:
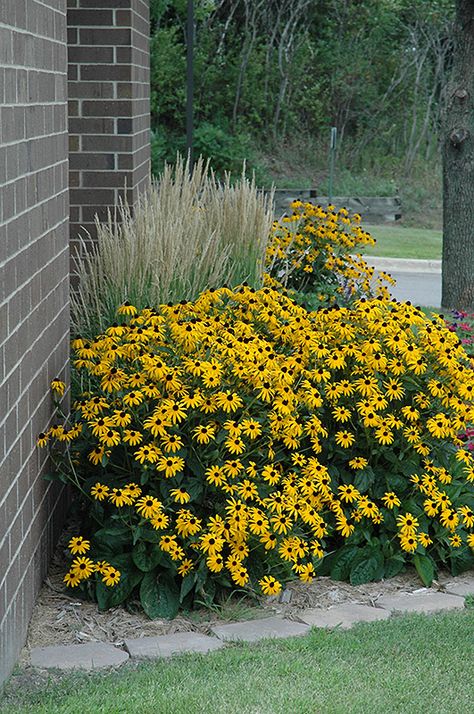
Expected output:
(96, 655)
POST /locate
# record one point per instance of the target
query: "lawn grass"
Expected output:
(406, 664)
(404, 242)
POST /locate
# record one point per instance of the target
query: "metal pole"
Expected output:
(189, 81)
(332, 159)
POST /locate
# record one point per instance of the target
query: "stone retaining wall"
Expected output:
(373, 209)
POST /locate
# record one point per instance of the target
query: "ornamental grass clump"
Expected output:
(187, 233)
(239, 441)
(315, 253)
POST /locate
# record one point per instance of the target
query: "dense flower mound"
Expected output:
(236, 440)
(316, 250)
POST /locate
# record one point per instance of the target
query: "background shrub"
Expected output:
(315, 252)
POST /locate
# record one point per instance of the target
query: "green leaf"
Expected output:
(425, 568)
(393, 566)
(146, 556)
(113, 538)
(187, 585)
(365, 571)
(159, 596)
(343, 562)
(129, 578)
(364, 479)
(462, 560)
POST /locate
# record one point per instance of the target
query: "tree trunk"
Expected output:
(458, 168)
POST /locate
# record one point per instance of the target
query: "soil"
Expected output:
(61, 617)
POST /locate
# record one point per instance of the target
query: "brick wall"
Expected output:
(109, 112)
(34, 318)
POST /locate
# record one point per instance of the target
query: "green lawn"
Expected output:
(401, 242)
(407, 664)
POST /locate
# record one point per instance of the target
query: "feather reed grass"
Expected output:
(187, 233)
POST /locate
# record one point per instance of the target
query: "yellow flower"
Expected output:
(170, 465)
(348, 493)
(228, 401)
(127, 309)
(407, 523)
(269, 585)
(424, 539)
(390, 499)
(358, 462)
(148, 506)
(78, 544)
(204, 433)
(344, 438)
(72, 579)
(171, 443)
(120, 497)
(99, 491)
(58, 387)
(185, 567)
(110, 438)
(132, 437)
(111, 576)
(42, 439)
(408, 542)
(180, 495)
(82, 568)
(133, 399)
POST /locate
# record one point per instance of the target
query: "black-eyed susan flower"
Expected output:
(390, 500)
(269, 585)
(180, 495)
(170, 465)
(111, 576)
(78, 544)
(344, 438)
(185, 567)
(120, 497)
(407, 523)
(132, 437)
(204, 433)
(82, 567)
(58, 387)
(100, 491)
(72, 579)
(42, 439)
(127, 309)
(148, 506)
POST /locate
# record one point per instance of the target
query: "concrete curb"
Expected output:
(404, 265)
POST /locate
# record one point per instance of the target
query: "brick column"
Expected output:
(34, 296)
(109, 113)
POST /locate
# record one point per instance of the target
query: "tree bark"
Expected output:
(458, 168)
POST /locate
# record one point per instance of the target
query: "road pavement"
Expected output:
(417, 280)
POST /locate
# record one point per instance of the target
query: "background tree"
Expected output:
(458, 168)
(272, 77)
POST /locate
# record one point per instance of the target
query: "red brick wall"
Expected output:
(34, 286)
(109, 112)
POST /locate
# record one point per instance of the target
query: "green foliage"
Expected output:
(256, 88)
